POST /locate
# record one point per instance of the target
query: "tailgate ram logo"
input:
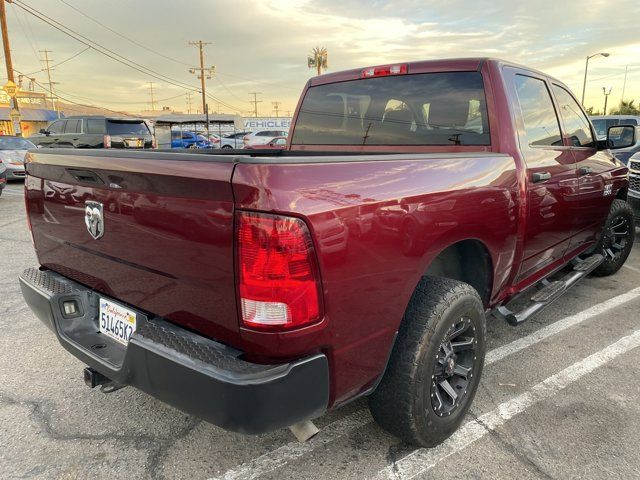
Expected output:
(94, 219)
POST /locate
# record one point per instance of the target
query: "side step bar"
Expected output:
(550, 291)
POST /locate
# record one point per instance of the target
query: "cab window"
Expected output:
(576, 124)
(538, 115)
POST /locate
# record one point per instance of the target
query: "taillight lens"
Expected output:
(154, 142)
(106, 140)
(278, 275)
(385, 71)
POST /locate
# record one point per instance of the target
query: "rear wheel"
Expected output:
(617, 238)
(436, 363)
(227, 147)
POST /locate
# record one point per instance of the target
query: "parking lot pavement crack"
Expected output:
(156, 458)
(155, 447)
(40, 415)
(515, 449)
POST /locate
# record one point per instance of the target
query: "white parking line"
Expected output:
(16, 193)
(281, 456)
(559, 326)
(421, 460)
(637, 270)
(270, 461)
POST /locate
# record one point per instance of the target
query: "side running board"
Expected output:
(549, 291)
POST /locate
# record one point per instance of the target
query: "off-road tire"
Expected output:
(619, 210)
(402, 403)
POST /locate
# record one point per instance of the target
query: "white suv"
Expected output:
(262, 137)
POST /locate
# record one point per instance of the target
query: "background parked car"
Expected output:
(188, 140)
(603, 122)
(277, 143)
(12, 152)
(3, 176)
(262, 137)
(95, 131)
(233, 140)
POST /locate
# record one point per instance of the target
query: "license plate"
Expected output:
(134, 143)
(116, 321)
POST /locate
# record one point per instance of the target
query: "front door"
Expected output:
(550, 171)
(595, 192)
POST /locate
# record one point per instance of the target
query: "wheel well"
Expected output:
(468, 261)
(622, 194)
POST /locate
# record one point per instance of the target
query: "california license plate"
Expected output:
(116, 321)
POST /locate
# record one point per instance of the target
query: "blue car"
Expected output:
(188, 140)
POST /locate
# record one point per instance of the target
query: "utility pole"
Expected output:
(153, 104)
(47, 66)
(204, 73)
(255, 102)
(276, 107)
(624, 85)
(189, 102)
(9, 65)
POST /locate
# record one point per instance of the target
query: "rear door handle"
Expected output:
(540, 177)
(584, 170)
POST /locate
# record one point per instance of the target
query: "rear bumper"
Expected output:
(197, 375)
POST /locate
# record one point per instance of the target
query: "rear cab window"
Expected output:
(541, 127)
(418, 109)
(124, 127)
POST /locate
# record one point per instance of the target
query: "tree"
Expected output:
(592, 113)
(627, 107)
(318, 59)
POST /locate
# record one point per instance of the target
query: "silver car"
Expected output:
(12, 152)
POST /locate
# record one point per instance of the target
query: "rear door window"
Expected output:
(576, 124)
(538, 114)
(95, 126)
(73, 126)
(421, 109)
(117, 127)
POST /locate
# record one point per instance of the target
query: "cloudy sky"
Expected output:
(262, 45)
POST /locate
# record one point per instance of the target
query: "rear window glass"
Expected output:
(422, 109)
(126, 128)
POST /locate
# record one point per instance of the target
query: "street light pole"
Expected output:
(586, 67)
(607, 92)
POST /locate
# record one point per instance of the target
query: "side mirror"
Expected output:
(621, 136)
(43, 131)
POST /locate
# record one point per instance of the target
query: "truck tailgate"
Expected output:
(166, 239)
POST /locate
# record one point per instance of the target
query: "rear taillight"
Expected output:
(106, 141)
(385, 70)
(278, 275)
(154, 142)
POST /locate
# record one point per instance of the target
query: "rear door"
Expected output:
(550, 171)
(71, 133)
(595, 189)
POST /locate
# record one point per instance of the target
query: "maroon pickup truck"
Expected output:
(256, 289)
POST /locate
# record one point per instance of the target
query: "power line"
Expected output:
(121, 35)
(100, 48)
(63, 61)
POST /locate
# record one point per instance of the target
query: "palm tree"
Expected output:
(627, 107)
(318, 59)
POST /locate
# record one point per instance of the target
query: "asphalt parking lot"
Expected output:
(560, 398)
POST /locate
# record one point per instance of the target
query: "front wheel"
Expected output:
(435, 365)
(617, 238)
